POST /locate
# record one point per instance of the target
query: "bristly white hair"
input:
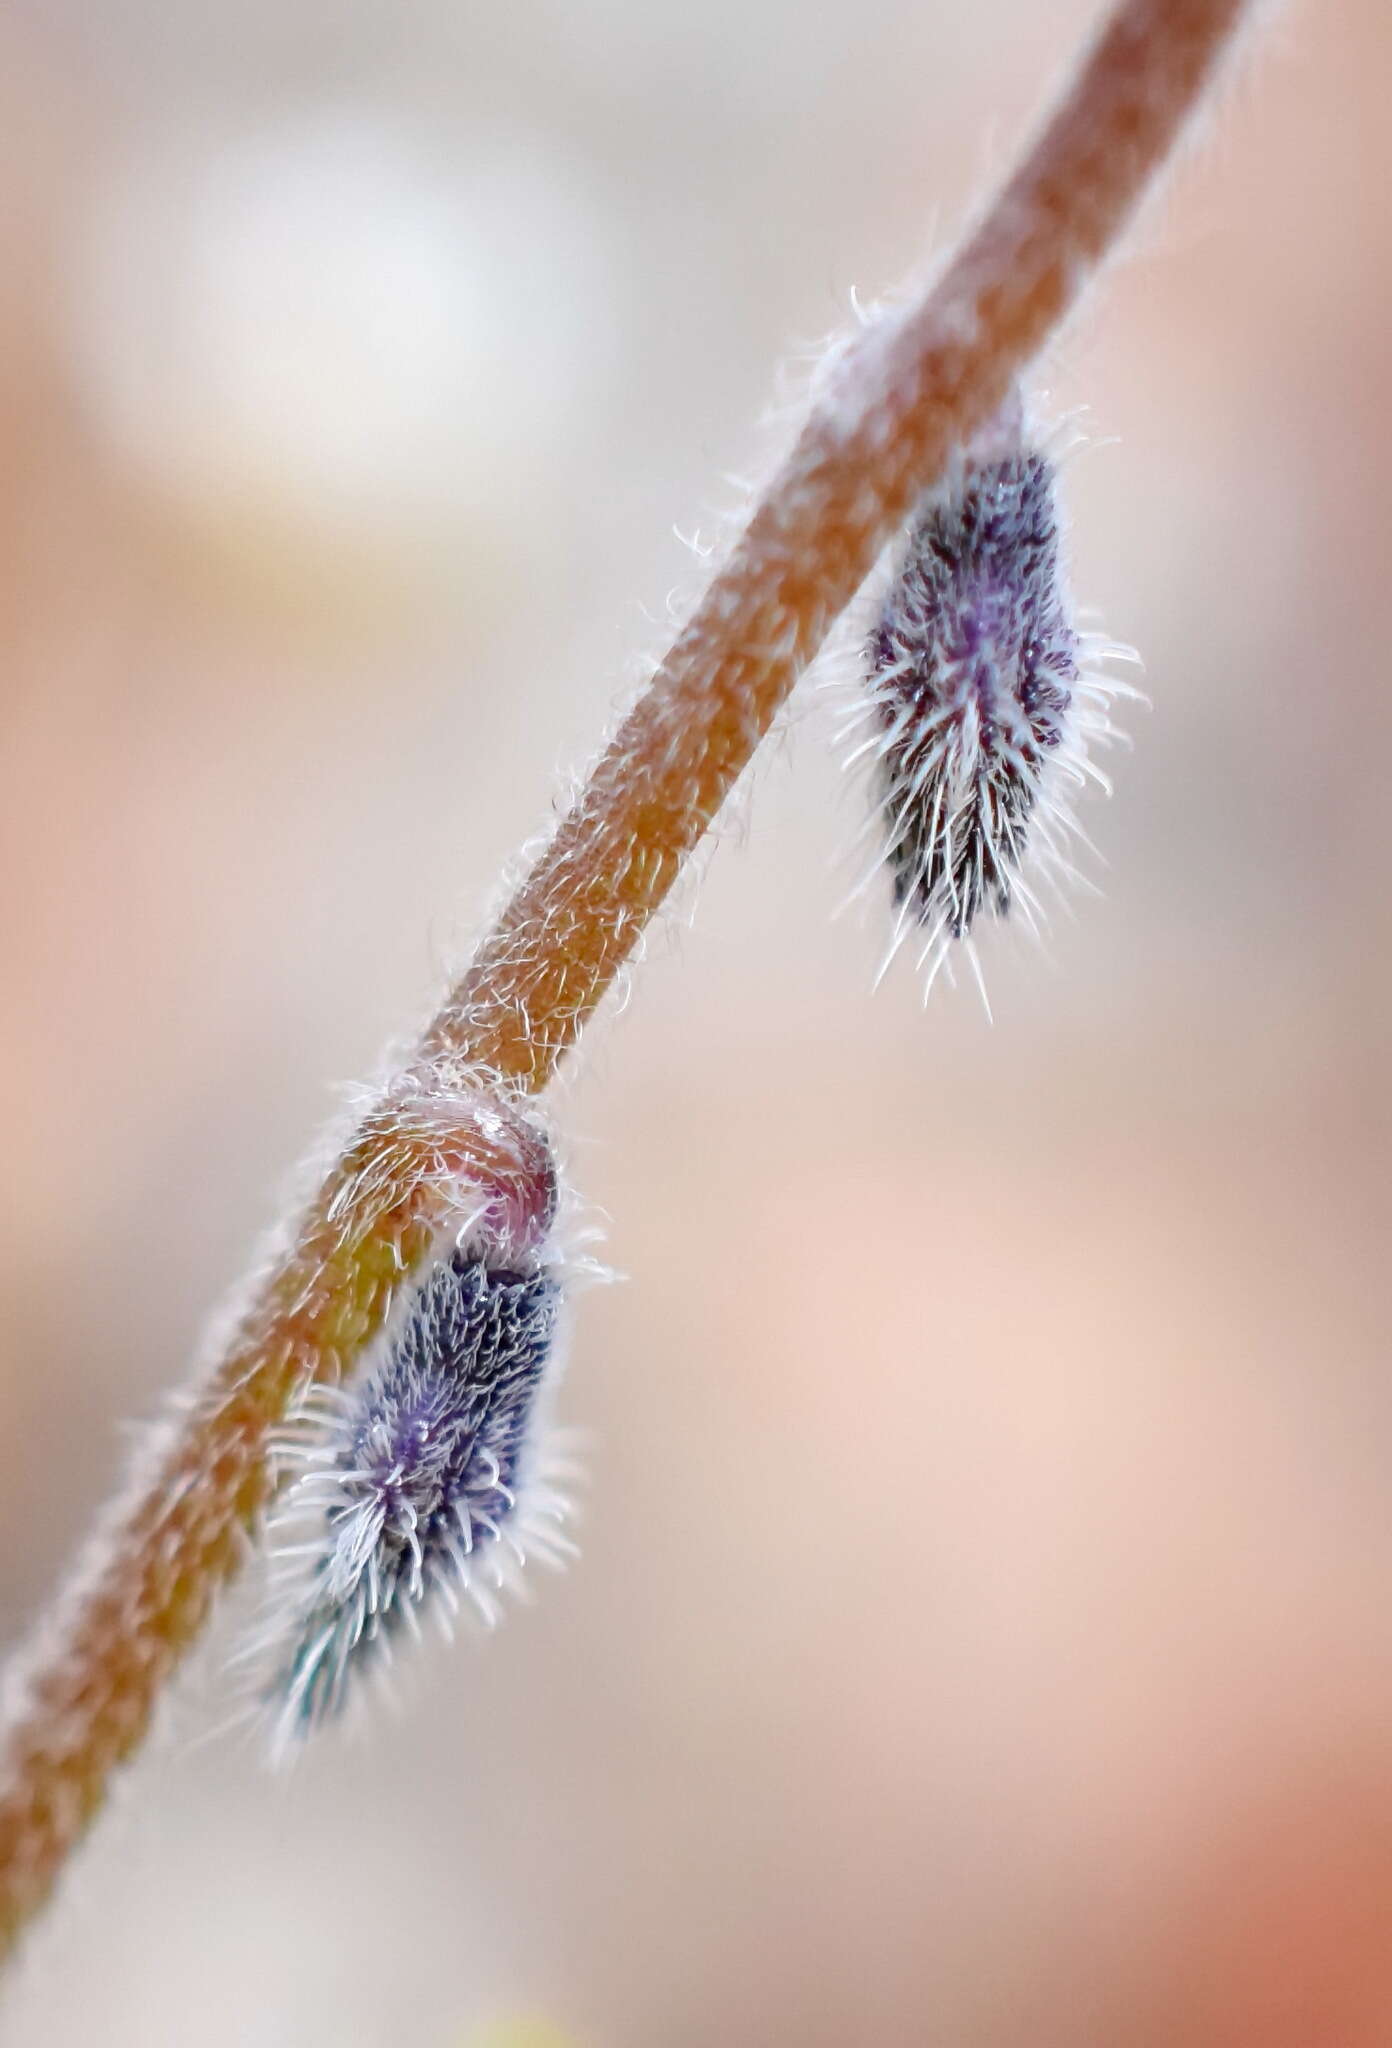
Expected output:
(980, 704)
(426, 1483)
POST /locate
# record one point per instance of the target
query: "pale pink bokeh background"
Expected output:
(982, 1636)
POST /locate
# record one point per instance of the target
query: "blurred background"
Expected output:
(982, 1636)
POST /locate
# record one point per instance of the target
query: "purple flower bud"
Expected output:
(982, 710)
(423, 1482)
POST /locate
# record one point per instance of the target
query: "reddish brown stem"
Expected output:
(879, 436)
(898, 406)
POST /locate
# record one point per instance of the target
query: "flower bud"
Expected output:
(982, 712)
(425, 1481)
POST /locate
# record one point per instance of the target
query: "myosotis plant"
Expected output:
(416, 1276)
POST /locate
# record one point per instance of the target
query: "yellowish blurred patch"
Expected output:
(525, 2030)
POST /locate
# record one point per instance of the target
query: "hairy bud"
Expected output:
(426, 1480)
(981, 707)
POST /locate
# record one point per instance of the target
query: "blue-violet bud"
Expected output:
(982, 706)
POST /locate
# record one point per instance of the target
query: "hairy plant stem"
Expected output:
(877, 437)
